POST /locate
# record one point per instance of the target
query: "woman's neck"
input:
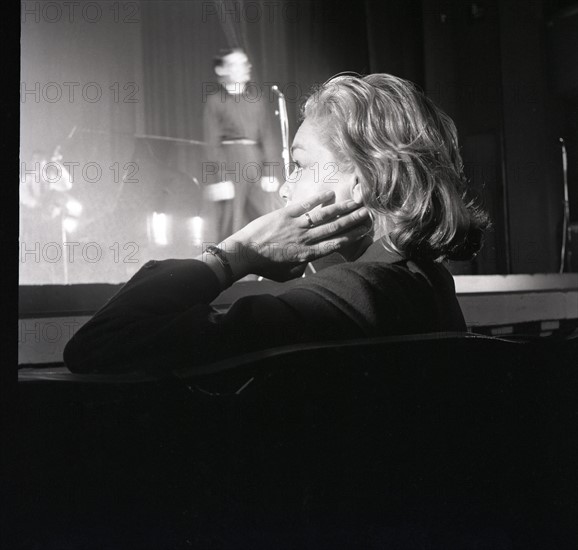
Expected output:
(354, 250)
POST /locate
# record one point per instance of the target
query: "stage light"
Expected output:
(158, 229)
(196, 229)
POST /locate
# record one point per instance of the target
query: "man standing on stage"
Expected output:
(241, 148)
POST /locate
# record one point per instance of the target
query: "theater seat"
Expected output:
(430, 441)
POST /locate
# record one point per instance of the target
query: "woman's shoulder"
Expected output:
(379, 270)
(372, 278)
(403, 296)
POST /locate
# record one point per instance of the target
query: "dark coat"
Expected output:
(162, 317)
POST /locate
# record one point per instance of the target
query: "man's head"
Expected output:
(232, 66)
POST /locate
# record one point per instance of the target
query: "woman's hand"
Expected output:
(278, 245)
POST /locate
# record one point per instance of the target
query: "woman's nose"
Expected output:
(285, 191)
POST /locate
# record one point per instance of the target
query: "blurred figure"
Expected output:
(47, 212)
(42, 183)
(240, 144)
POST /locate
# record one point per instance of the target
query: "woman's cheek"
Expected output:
(328, 179)
(303, 189)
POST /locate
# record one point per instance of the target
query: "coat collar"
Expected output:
(375, 252)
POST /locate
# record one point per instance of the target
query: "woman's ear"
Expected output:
(356, 191)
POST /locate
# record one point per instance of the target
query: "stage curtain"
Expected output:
(292, 43)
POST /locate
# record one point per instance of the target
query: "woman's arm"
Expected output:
(162, 318)
(118, 336)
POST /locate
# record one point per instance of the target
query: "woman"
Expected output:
(379, 180)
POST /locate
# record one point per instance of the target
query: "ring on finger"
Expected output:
(311, 224)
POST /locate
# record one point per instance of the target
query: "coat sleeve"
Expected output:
(162, 319)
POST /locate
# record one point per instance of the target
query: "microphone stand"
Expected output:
(284, 121)
(566, 206)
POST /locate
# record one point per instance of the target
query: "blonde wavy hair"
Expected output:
(406, 150)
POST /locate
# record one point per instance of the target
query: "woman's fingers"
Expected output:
(311, 217)
(333, 211)
(312, 251)
(298, 209)
(355, 235)
(340, 223)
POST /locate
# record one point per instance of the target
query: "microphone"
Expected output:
(276, 89)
